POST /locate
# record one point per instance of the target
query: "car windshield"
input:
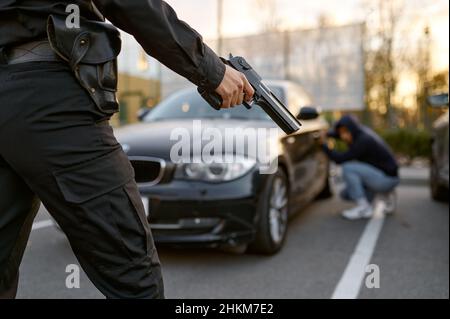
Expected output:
(188, 104)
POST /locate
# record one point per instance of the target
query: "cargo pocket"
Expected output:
(92, 179)
(104, 195)
(138, 208)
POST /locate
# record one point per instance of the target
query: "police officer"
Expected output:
(56, 145)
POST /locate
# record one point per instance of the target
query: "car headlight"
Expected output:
(215, 172)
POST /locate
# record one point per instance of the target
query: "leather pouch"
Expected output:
(91, 51)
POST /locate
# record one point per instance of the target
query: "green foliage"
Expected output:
(411, 143)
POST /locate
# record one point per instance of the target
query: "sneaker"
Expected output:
(390, 202)
(359, 212)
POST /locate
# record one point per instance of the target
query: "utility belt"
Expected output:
(91, 52)
(36, 51)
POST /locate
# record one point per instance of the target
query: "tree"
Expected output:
(392, 54)
(428, 83)
(382, 57)
(268, 13)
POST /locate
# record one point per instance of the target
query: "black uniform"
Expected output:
(154, 24)
(56, 146)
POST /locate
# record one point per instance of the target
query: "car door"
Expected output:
(302, 153)
(442, 141)
(321, 163)
(301, 148)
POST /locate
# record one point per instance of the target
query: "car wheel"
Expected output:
(438, 191)
(273, 212)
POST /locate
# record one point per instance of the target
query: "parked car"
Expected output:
(226, 204)
(439, 179)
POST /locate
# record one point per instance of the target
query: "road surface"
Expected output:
(410, 250)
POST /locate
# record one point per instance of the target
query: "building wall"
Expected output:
(328, 62)
(134, 94)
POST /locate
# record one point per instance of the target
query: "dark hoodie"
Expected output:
(367, 147)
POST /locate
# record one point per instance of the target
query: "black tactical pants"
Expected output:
(57, 147)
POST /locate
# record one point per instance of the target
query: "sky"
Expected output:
(241, 17)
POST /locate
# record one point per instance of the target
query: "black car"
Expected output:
(229, 203)
(439, 180)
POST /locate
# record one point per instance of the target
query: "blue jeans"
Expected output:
(365, 181)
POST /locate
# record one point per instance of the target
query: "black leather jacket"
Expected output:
(154, 24)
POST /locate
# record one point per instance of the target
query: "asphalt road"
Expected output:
(412, 253)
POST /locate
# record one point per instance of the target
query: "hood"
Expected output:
(154, 138)
(351, 123)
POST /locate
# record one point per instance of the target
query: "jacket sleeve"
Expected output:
(355, 151)
(156, 27)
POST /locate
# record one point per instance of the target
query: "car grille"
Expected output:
(148, 171)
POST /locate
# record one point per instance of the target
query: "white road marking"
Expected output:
(350, 283)
(42, 224)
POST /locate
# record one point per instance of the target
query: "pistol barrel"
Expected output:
(267, 100)
(263, 97)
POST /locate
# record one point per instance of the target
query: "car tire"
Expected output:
(273, 208)
(438, 192)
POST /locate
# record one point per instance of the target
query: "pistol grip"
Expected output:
(213, 99)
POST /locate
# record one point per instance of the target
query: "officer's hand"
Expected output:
(234, 88)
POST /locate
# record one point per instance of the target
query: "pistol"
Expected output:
(263, 97)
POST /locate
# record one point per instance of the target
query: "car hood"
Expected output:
(154, 139)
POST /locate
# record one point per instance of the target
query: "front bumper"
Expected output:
(204, 214)
(195, 222)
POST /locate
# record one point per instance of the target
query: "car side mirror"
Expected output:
(142, 113)
(440, 100)
(308, 113)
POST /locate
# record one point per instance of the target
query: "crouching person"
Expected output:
(370, 169)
